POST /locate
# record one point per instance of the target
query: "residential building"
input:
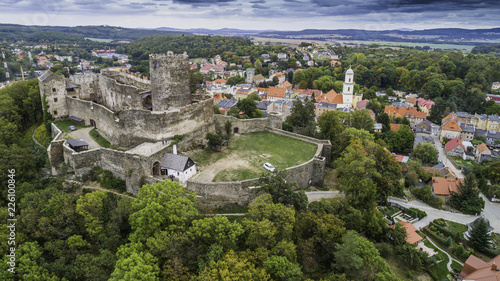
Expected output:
(281, 106)
(321, 107)
(425, 105)
(482, 152)
(275, 93)
(496, 98)
(411, 113)
(495, 86)
(424, 127)
(477, 269)
(395, 127)
(412, 236)
(491, 136)
(455, 147)
(226, 104)
(450, 129)
(445, 186)
(422, 139)
(361, 104)
(467, 133)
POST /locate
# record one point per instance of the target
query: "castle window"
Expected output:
(55, 112)
(55, 99)
(53, 90)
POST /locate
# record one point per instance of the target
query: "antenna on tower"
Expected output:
(7, 75)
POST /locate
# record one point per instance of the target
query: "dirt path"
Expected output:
(96, 187)
(33, 137)
(228, 163)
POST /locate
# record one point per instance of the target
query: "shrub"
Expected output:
(448, 241)
(459, 250)
(432, 228)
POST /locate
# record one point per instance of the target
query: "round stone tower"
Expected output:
(169, 81)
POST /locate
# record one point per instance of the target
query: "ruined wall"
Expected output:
(133, 169)
(129, 79)
(117, 96)
(130, 128)
(243, 125)
(89, 86)
(54, 90)
(169, 81)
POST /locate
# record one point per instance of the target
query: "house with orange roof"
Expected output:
(395, 127)
(482, 152)
(308, 92)
(287, 85)
(455, 147)
(476, 269)
(361, 104)
(413, 115)
(330, 97)
(281, 77)
(219, 82)
(411, 100)
(275, 93)
(450, 128)
(218, 97)
(412, 236)
(445, 186)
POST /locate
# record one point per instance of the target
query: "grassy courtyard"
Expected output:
(248, 152)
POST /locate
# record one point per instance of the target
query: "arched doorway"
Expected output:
(92, 123)
(156, 169)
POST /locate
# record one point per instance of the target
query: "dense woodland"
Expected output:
(166, 233)
(77, 34)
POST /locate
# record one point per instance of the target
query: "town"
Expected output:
(241, 159)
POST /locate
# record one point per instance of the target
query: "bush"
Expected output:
(107, 180)
(425, 194)
(459, 250)
(433, 228)
(448, 242)
(385, 250)
(416, 213)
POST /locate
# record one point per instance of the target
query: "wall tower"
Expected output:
(169, 81)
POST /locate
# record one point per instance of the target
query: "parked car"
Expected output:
(269, 167)
(72, 128)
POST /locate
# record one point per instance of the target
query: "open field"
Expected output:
(99, 39)
(247, 153)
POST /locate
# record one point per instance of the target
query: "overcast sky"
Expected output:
(255, 14)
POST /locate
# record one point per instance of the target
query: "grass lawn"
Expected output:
(65, 123)
(99, 139)
(248, 152)
(455, 228)
(456, 266)
(43, 136)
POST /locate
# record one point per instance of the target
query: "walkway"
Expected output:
(83, 133)
(33, 137)
(318, 195)
(442, 157)
(450, 259)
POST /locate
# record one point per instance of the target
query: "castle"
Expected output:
(142, 117)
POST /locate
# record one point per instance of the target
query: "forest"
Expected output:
(65, 34)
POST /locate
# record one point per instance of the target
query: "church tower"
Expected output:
(348, 89)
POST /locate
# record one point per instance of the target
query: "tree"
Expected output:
(479, 237)
(400, 141)
(282, 269)
(361, 119)
(425, 152)
(214, 140)
(302, 115)
(90, 207)
(359, 259)
(232, 267)
(467, 199)
(228, 126)
(329, 125)
(165, 206)
(398, 234)
(134, 263)
(215, 230)
(282, 191)
(235, 80)
(324, 83)
(249, 107)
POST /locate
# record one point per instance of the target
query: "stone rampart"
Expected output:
(130, 128)
(240, 126)
(309, 173)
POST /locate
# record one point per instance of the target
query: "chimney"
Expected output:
(494, 267)
(175, 149)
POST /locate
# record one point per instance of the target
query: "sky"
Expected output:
(256, 14)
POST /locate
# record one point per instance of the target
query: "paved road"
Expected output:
(83, 133)
(442, 157)
(433, 213)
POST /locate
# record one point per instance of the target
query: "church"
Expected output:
(346, 100)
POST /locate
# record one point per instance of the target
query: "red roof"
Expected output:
(454, 143)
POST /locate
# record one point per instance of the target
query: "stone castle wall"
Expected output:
(169, 81)
(53, 88)
(129, 79)
(130, 128)
(88, 86)
(243, 125)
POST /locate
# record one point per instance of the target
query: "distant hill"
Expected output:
(14, 32)
(487, 49)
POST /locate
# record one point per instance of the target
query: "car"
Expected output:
(269, 167)
(72, 128)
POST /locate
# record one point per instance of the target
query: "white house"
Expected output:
(178, 166)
